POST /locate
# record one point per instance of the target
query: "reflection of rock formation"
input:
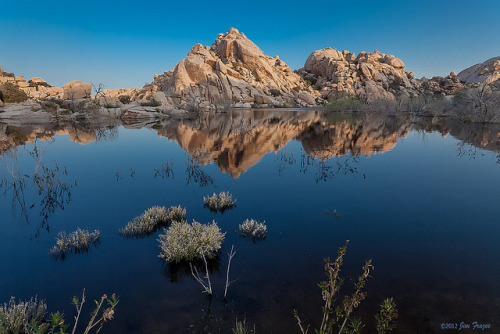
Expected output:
(237, 140)
(12, 136)
(363, 137)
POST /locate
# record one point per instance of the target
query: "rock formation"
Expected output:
(232, 72)
(369, 75)
(487, 73)
(76, 90)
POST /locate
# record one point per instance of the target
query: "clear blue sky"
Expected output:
(124, 43)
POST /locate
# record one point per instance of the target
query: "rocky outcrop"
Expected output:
(369, 75)
(442, 85)
(487, 73)
(232, 72)
(76, 90)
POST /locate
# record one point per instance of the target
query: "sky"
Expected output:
(124, 43)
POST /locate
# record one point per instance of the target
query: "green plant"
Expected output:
(339, 318)
(187, 242)
(240, 327)
(152, 220)
(12, 93)
(345, 102)
(288, 103)
(386, 316)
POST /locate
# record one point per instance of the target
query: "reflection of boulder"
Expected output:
(364, 137)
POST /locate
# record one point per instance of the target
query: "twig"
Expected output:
(231, 255)
(206, 285)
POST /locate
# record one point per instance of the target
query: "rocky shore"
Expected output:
(235, 73)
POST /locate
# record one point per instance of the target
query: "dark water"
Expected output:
(419, 197)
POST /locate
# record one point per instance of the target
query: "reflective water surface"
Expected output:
(418, 196)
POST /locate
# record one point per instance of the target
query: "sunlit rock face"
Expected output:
(369, 75)
(232, 71)
(487, 73)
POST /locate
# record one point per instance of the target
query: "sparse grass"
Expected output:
(75, 242)
(253, 229)
(187, 242)
(12, 93)
(240, 327)
(221, 202)
(152, 220)
(20, 317)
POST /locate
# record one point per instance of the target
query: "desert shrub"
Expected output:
(339, 318)
(20, 317)
(480, 104)
(220, 202)
(49, 106)
(75, 242)
(187, 242)
(124, 99)
(253, 229)
(12, 93)
(152, 220)
(288, 103)
(151, 103)
(275, 92)
(344, 102)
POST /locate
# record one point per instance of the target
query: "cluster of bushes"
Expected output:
(152, 220)
(12, 93)
(253, 229)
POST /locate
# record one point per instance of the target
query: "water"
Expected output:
(418, 196)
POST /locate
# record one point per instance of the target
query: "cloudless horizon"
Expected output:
(124, 43)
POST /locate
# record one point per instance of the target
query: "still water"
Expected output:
(418, 196)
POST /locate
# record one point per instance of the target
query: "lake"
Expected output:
(420, 197)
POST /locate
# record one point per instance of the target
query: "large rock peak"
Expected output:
(233, 71)
(487, 72)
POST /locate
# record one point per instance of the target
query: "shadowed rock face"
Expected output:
(233, 70)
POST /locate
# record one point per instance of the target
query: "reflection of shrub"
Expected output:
(152, 220)
(12, 93)
(187, 242)
(151, 103)
(22, 316)
(124, 99)
(253, 229)
(75, 242)
(220, 202)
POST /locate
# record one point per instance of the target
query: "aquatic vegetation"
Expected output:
(253, 229)
(30, 317)
(336, 318)
(19, 317)
(187, 242)
(220, 202)
(240, 327)
(75, 242)
(152, 220)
